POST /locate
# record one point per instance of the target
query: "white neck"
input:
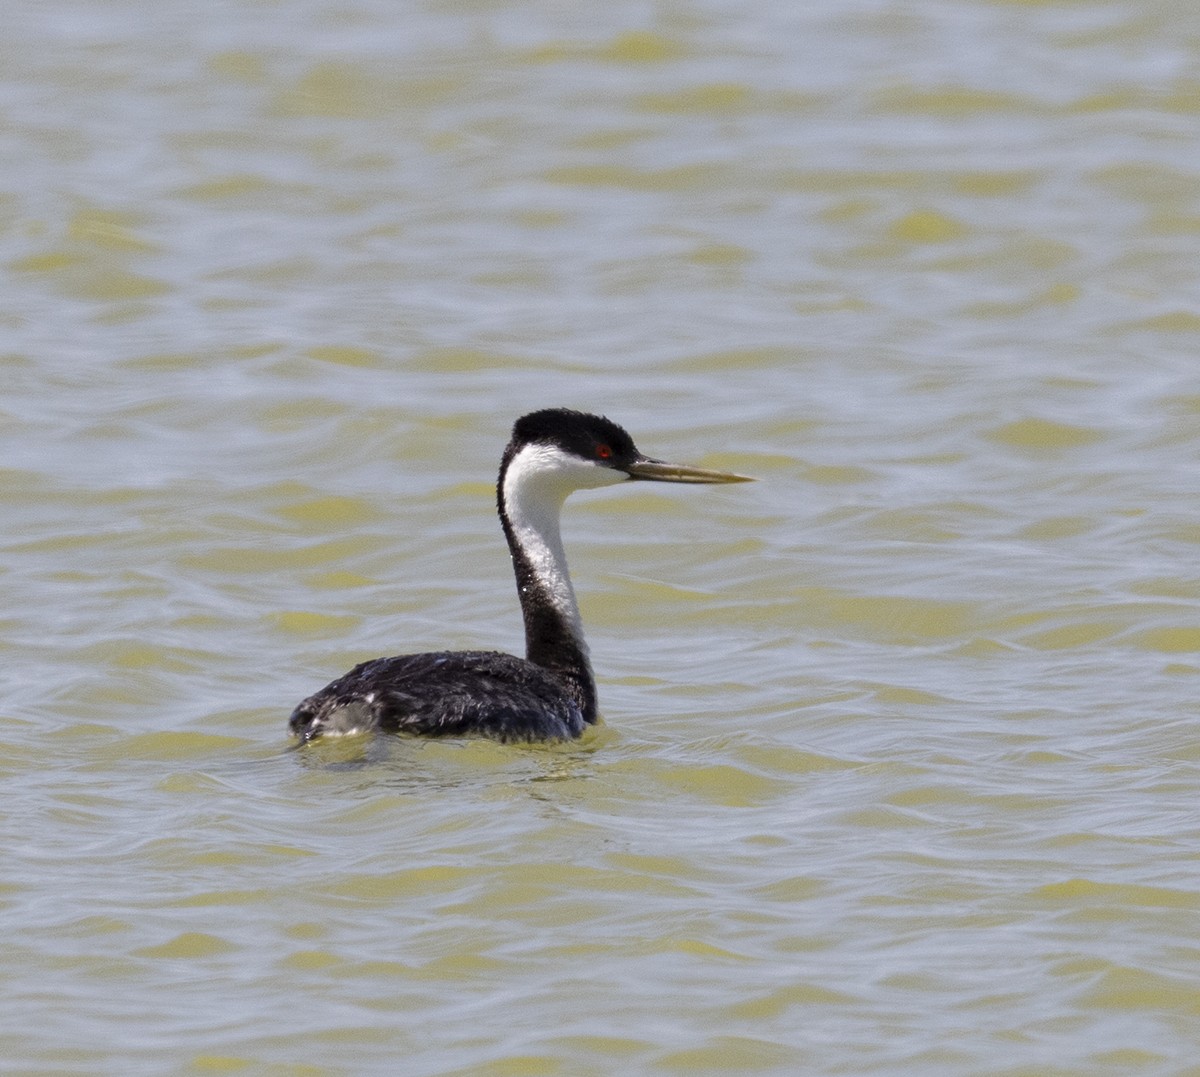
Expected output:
(537, 482)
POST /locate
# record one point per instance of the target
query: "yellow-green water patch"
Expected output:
(517, 1066)
(600, 1046)
(1053, 528)
(793, 996)
(725, 785)
(220, 1064)
(893, 617)
(310, 961)
(730, 1054)
(238, 65)
(346, 355)
(1044, 434)
(331, 511)
(680, 178)
(189, 945)
(338, 580)
(1089, 892)
(837, 474)
(720, 254)
(1180, 640)
(108, 229)
(640, 47)
(384, 887)
(464, 361)
(1066, 637)
(792, 890)
(219, 898)
(1124, 989)
(1174, 321)
(713, 97)
(926, 226)
(178, 745)
(260, 560)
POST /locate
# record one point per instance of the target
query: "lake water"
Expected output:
(900, 757)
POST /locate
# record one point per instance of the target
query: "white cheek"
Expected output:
(543, 473)
(589, 476)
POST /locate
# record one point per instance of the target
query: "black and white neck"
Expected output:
(535, 478)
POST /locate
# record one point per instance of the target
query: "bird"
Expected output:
(550, 694)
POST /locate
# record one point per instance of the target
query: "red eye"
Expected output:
(603, 452)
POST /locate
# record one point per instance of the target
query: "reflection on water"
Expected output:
(898, 764)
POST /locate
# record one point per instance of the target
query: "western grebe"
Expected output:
(549, 694)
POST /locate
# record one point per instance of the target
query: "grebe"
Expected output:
(549, 694)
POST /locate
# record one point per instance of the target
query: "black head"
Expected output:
(589, 437)
(595, 440)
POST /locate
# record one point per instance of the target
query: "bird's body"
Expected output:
(449, 693)
(550, 694)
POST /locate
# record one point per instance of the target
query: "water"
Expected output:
(899, 764)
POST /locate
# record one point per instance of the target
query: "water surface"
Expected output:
(899, 760)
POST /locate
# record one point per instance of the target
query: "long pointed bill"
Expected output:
(658, 471)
